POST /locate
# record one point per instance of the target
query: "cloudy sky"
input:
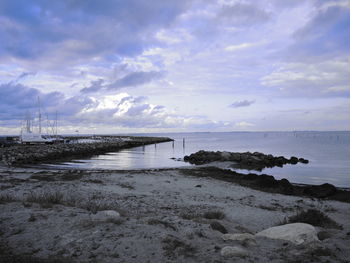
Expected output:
(114, 66)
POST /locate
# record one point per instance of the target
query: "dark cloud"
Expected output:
(132, 79)
(95, 86)
(243, 14)
(136, 79)
(16, 99)
(242, 103)
(73, 30)
(328, 33)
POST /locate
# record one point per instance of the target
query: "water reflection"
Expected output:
(328, 153)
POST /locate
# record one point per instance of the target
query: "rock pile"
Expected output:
(268, 183)
(247, 160)
(31, 154)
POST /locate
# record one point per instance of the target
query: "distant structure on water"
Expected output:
(32, 135)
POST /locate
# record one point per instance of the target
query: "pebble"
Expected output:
(236, 251)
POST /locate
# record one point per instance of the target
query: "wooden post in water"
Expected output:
(183, 143)
(173, 144)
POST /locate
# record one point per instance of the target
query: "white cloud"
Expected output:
(240, 46)
(326, 78)
(244, 124)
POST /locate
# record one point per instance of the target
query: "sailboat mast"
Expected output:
(28, 122)
(56, 124)
(39, 115)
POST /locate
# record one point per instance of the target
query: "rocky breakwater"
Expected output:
(247, 160)
(32, 154)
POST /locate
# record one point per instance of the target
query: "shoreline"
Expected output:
(260, 182)
(164, 215)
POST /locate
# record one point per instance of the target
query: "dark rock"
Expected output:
(302, 160)
(293, 160)
(218, 227)
(267, 181)
(246, 160)
(286, 187)
(322, 235)
(321, 191)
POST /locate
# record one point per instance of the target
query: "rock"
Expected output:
(238, 237)
(236, 251)
(321, 191)
(302, 160)
(286, 187)
(267, 181)
(218, 227)
(226, 156)
(322, 235)
(106, 216)
(297, 233)
(246, 160)
(293, 160)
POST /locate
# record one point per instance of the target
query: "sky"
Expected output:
(116, 66)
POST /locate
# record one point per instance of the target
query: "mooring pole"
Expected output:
(183, 142)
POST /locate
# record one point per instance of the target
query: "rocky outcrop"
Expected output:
(246, 160)
(268, 183)
(32, 154)
(320, 191)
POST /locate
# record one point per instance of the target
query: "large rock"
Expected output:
(296, 233)
(321, 191)
(229, 251)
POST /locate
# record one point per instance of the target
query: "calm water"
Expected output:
(328, 153)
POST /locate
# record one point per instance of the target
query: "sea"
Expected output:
(328, 153)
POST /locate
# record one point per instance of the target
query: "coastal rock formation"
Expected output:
(246, 160)
(31, 154)
(297, 233)
(321, 191)
(268, 183)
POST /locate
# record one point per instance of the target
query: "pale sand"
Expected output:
(162, 218)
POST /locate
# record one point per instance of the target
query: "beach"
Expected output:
(161, 215)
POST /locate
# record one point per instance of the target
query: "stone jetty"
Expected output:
(247, 160)
(17, 155)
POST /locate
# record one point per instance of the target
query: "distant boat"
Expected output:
(29, 136)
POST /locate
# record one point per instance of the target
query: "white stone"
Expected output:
(229, 251)
(297, 233)
(106, 216)
(238, 237)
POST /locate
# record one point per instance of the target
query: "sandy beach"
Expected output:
(167, 215)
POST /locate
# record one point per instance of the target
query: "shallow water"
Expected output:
(328, 153)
